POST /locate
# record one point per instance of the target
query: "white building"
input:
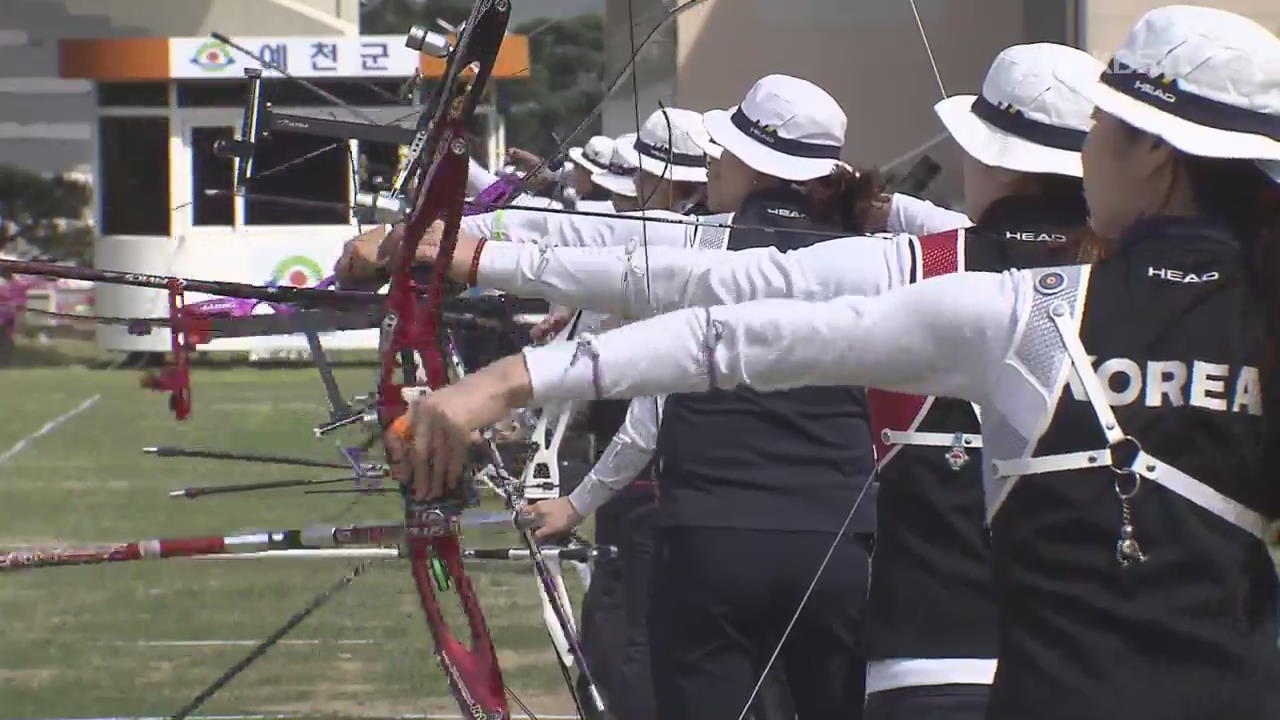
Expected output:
(135, 93)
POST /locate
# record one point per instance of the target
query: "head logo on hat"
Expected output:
(785, 127)
(672, 144)
(1026, 119)
(1206, 81)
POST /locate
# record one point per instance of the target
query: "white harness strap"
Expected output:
(930, 439)
(934, 255)
(1143, 464)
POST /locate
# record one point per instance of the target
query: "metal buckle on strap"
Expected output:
(1127, 459)
(957, 443)
(930, 439)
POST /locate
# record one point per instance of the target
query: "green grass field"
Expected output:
(140, 638)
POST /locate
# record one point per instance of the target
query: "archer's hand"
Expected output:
(429, 447)
(556, 517)
(359, 266)
(523, 160)
(551, 325)
(429, 249)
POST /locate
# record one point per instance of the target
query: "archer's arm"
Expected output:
(628, 453)
(938, 337)
(527, 225)
(909, 214)
(631, 283)
(945, 336)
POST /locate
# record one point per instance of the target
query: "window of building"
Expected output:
(133, 94)
(287, 93)
(134, 166)
(210, 172)
(302, 167)
(213, 93)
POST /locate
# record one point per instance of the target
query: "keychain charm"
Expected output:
(956, 456)
(1128, 552)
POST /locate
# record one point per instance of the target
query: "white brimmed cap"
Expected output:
(1026, 119)
(593, 156)
(785, 127)
(1205, 81)
(619, 173)
(671, 145)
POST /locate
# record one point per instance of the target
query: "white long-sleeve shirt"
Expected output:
(628, 280)
(938, 337)
(747, 274)
(630, 283)
(558, 229)
(629, 451)
(911, 215)
(633, 445)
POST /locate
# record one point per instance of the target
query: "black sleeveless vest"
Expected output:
(793, 460)
(931, 594)
(1177, 330)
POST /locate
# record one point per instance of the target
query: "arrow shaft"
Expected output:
(307, 539)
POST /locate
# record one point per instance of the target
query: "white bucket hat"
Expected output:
(671, 145)
(619, 174)
(1205, 81)
(785, 127)
(1026, 119)
(594, 156)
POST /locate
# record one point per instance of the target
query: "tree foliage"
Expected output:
(563, 84)
(46, 212)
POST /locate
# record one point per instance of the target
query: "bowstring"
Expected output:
(627, 67)
(924, 36)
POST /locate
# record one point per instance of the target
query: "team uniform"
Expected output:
(1188, 633)
(930, 629)
(615, 607)
(766, 478)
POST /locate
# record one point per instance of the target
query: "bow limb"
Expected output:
(412, 338)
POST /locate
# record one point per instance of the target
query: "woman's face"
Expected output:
(729, 181)
(652, 192)
(582, 181)
(624, 203)
(1119, 167)
(985, 184)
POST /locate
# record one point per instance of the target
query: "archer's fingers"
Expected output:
(389, 252)
(420, 452)
(440, 458)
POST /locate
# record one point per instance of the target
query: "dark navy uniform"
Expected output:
(931, 617)
(753, 488)
(1142, 592)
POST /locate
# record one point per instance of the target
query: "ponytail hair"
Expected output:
(844, 199)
